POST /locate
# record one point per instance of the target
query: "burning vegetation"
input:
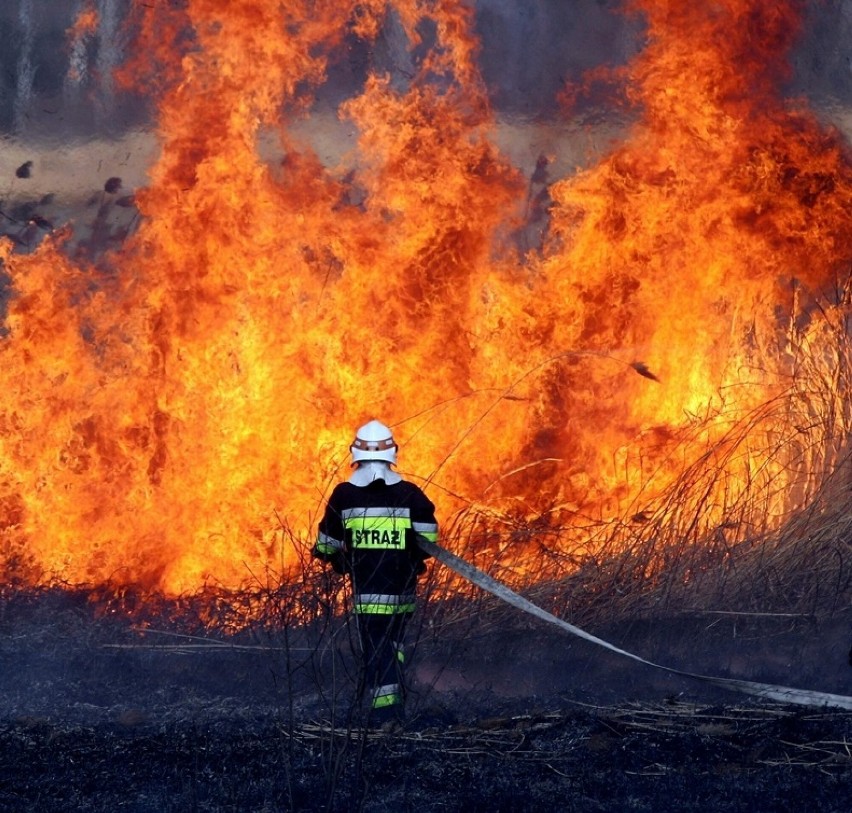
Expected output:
(624, 381)
(175, 407)
(646, 358)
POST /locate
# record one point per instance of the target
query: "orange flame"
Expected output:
(86, 23)
(174, 412)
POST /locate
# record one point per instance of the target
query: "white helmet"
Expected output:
(373, 441)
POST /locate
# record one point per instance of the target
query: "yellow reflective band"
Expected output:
(384, 609)
(328, 544)
(428, 530)
(378, 532)
(387, 700)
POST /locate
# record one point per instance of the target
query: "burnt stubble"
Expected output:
(102, 713)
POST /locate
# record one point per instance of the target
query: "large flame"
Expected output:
(174, 412)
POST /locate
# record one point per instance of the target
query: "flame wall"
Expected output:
(174, 411)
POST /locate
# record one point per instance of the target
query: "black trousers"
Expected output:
(381, 637)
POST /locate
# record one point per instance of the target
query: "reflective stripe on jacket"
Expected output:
(372, 532)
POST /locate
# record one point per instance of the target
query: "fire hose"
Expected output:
(785, 694)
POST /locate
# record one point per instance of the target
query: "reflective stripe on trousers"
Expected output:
(384, 603)
(388, 695)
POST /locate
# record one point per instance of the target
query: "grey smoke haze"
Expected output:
(50, 88)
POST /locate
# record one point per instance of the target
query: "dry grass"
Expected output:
(511, 737)
(758, 522)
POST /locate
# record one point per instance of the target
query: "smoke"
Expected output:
(56, 85)
(53, 87)
(58, 93)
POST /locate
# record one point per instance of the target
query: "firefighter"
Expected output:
(369, 531)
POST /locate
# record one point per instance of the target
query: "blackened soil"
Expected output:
(676, 757)
(96, 715)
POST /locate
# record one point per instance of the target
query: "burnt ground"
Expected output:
(97, 716)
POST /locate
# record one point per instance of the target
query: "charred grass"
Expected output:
(679, 757)
(102, 712)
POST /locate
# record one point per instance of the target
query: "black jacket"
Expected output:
(370, 532)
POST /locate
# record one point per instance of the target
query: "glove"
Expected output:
(338, 564)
